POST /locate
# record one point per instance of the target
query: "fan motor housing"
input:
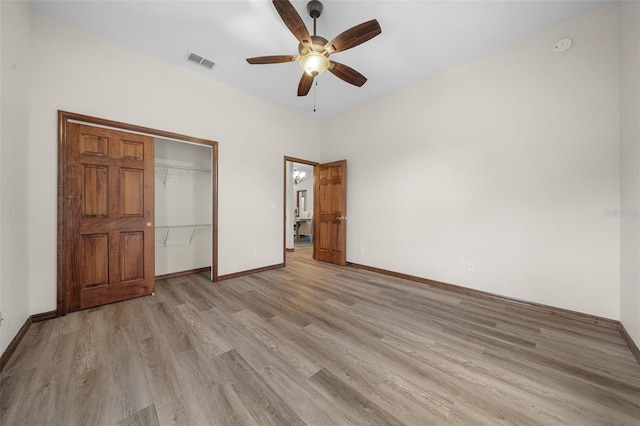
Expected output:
(317, 45)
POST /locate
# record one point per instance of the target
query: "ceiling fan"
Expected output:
(314, 51)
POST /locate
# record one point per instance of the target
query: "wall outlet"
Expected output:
(361, 249)
(465, 267)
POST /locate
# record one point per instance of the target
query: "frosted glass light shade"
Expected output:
(314, 63)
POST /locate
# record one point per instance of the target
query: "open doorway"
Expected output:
(327, 215)
(299, 205)
(303, 205)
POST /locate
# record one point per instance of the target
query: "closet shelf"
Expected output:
(162, 170)
(188, 235)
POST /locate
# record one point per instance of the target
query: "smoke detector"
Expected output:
(562, 46)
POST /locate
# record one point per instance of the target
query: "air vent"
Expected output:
(197, 59)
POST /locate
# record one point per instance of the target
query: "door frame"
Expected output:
(64, 117)
(285, 179)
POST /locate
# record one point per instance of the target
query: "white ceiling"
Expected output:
(419, 38)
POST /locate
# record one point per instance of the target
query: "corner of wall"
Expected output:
(629, 68)
(15, 18)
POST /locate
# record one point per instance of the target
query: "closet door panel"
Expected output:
(132, 255)
(131, 192)
(131, 150)
(95, 190)
(110, 193)
(95, 255)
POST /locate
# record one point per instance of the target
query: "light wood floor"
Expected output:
(319, 345)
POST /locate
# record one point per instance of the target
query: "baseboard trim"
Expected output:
(539, 307)
(44, 316)
(6, 355)
(250, 272)
(182, 273)
(290, 250)
(630, 343)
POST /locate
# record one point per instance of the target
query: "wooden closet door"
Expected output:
(110, 233)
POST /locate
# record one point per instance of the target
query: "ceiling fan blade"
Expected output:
(276, 59)
(347, 74)
(306, 81)
(354, 36)
(292, 20)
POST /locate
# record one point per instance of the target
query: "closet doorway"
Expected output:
(183, 181)
(108, 237)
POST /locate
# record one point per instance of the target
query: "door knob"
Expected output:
(149, 224)
(341, 218)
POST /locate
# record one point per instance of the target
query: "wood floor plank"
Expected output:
(265, 405)
(229, 408)
(358, 407)
(280, 349)
(129, 390)
(145, 417)
(326, 355)
(172, 401)
(201, 336)
(14, 389)
(90, 404)
(312, 407)
(590, 402)
(318, 344)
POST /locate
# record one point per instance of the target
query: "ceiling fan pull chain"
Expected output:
(314, 96)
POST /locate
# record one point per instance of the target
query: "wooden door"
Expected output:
(330, 217)
(109, 190)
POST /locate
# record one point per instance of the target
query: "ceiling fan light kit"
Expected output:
(314, 51)
(314, 63)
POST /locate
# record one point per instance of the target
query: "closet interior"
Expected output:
(183, 207)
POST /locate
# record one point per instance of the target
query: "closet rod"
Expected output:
(192, 169)
(169, 227)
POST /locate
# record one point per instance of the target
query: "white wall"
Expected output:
(84, 73)
(629, 25)
(507, 162)
(14, 177)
